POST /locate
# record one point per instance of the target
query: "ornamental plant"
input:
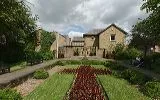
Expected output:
(41, 74)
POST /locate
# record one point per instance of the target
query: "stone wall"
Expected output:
(105, 41)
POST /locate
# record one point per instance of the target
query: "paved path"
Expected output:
(144, 71)
(9, 77)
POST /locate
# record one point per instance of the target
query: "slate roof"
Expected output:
(94, 32)
(78, 39)
(99, 31)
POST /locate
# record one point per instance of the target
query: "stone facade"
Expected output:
(95, 43)
(105, 41)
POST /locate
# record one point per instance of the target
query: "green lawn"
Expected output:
(99, 66)
(53, 88)
(119, 89)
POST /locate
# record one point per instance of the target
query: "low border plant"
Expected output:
(41, 74)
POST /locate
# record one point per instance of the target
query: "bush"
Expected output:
(9, 94)
(114, 66)
(48, 55)
(121, 53)
(60, 63)
(134, 77)
(33, 56)
(152, 89)
(41, 74)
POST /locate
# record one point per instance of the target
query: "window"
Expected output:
(113, 37)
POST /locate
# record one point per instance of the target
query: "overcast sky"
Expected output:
(67, 16)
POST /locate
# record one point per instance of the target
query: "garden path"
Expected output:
(6, 79)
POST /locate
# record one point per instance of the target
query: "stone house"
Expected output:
(97, 42)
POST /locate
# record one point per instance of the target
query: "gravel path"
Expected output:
(28, 86)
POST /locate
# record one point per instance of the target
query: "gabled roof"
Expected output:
(120, 29)
(78, 39)
(99, 31)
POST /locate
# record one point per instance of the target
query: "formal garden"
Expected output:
(88, 79)
(123, 74)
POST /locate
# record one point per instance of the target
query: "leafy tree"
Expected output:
(17, 27)
(146, 33)
(47, 38)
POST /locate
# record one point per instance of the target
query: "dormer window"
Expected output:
(112, 37)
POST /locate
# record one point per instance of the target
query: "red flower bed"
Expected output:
(86, 86)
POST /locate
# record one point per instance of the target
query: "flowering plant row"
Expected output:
(86, 86)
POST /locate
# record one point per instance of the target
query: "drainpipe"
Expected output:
(57, 43)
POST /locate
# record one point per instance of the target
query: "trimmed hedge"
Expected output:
(41, 74)
(9, 94)
(152, 89)
(83, 62)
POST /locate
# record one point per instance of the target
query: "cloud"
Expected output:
(83, 15)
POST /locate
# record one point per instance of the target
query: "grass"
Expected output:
(54, 88)
(99, 66)
(17, 66)
(119, 89)
(72, 66)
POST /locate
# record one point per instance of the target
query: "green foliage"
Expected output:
(60, 63)
(48, 55)
(33, 56)
(152, 89)
(47, 38)
(146, 33)
(41, 74)
(122, 53)
(132, 53)
(79, 62)
(114, 66)
(9, 94)
(17, 28)
(134, 77)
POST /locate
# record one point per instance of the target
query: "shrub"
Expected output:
(60, 63)
(152, 89)
(48, 55)
(41, 74)
(114, 66)
(134, 77)
(132, 53)
(9, 94)
(32, 56)
(121, 53)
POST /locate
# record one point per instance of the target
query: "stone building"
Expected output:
(97, 42)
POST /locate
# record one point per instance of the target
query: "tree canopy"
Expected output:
(17, 27)
(146, 33)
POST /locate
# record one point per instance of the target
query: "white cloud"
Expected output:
(62, 15)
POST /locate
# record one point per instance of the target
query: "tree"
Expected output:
(146, 33)
(17, 27)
